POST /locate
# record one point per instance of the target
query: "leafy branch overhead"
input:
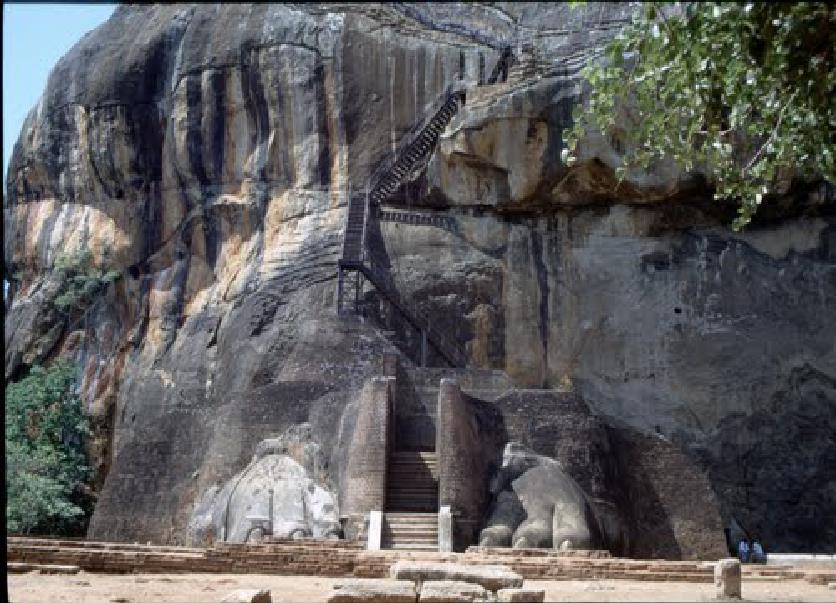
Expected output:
(741, 92)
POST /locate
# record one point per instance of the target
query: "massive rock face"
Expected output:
(207, 153)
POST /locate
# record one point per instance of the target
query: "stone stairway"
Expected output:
(412, 482)
(410, 531)
(411, 519)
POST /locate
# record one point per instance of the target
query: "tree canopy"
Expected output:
(46, 465)
(741, 92)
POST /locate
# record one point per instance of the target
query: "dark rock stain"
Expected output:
(194, 136)
(217, 85)
(324, 159)
(543, 283)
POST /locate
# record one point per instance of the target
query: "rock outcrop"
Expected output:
(207, 153)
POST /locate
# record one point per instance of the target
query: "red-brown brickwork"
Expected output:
(365, 484)
(462, 473)
(341, 558)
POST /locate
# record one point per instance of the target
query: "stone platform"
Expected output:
(346, 559)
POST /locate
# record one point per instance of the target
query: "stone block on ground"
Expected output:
(521, 595)
(248, 596)
(727, 575)
(374, 591)
(491, 577)
(42, 568)
(449, 591)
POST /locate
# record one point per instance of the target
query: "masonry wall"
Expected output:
(462, 468)
(365, 481)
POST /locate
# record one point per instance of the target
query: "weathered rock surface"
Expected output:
(490, 577)
(521, 595)
(211, 164)
(448, 591)
(374, 591)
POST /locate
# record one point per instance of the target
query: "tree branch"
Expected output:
(771, 135)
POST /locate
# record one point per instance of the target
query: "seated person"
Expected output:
(758, 555)
(743, 551)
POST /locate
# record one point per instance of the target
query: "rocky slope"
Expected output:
(207, 153)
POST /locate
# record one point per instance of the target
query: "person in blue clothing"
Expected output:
(743, 550)
(758, 555)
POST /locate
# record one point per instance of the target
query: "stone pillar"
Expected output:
(365, 478)
(727, 578)
(375, 530)
(389, 364)
(445, 530)
(462, 480)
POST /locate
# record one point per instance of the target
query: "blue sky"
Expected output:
(35, 36)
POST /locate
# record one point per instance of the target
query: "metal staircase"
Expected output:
(500, 70)
(407, 161)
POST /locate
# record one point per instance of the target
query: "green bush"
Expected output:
(81, 280)
(46, 466)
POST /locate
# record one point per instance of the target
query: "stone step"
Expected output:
(410, 534)
(430, 524)
(391, 544)
(405, 546)
(402, 533)
(411, 454)
(408, 480)
(431, 521)
(413, 466)
(429, 493)
(412, 503)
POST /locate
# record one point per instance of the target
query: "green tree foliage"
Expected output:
(82, 282)
(46, 466)
(743, 92)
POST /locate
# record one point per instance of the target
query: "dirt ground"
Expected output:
(197, 588)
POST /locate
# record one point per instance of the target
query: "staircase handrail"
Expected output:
(419, 320)
(409, 140)
(505, 60)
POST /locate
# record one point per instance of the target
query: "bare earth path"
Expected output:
(197, 588)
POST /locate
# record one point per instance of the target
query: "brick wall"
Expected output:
(462, 469)
(364, 488)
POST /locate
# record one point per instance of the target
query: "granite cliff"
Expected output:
(207, 153)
